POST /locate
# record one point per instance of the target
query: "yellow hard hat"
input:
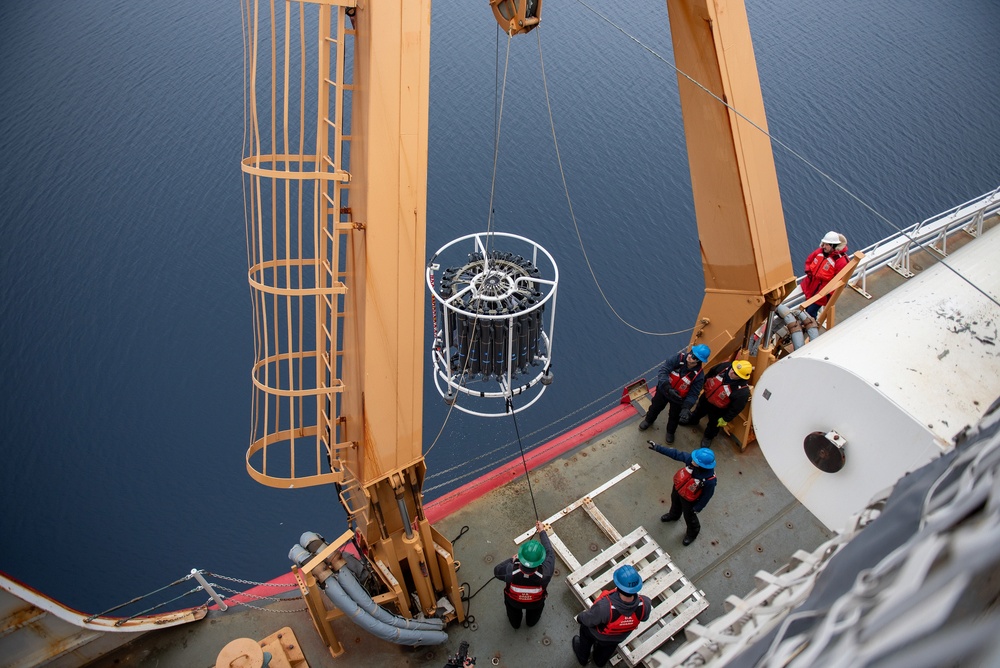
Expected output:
(742, 368)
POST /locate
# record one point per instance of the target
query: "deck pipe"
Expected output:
(356, 604)
(353, 588)
(810, 325)
(798, 340)
(378, 628)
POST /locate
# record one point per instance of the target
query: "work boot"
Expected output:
(670, 437)
(667, 518)
(688, 540)
(643, 426)
(578, 651)
(706, 443)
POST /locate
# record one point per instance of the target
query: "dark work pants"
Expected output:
(531, 616)
(674, 416)
(678, 506)
(703, 408)
(603, 649)
(813, 310)
(656, 405)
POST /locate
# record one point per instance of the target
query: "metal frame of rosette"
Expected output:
(492, 330)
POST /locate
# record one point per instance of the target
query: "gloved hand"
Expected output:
(674, 396)
(685, 416)
(721, 423)
(652, 446)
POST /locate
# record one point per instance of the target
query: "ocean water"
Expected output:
(125, 313)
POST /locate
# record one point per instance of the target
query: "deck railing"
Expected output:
(931, 234)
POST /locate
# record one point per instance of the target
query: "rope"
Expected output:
(524, 462)
(465, 530)
(123, 620)
(790, 150)
(139, 598)
(470, 621)
(572, 215)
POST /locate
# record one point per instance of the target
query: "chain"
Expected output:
(249, 582)
(249, 595)
(255, 597)
(260, 607)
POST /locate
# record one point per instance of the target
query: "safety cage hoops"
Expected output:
(491, 340)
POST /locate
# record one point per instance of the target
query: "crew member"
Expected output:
(527, 575)
(821, 266)
(614, 615)
(678, 383)
(726, 393)
(694, 485)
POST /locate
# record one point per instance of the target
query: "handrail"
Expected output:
(895, 250)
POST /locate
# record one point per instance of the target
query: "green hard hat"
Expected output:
(531, 554)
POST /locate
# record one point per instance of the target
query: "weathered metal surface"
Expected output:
(37, 630)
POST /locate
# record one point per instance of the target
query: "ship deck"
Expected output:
(752, 524)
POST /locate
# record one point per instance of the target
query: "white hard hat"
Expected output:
(831, 238)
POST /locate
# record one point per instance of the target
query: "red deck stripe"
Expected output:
(445, 505)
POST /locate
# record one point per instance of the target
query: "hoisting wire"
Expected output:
(569, 203)
(489, 224)
(524, 462)
(790, 150)
(466, 474)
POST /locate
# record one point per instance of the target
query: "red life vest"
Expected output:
(682, 383)
(523, 591)
(823, 266)
(687, 485)
(717, 392)
(618, 622)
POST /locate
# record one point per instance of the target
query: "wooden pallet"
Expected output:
(676, 601)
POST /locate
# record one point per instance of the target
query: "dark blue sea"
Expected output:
(126, 319)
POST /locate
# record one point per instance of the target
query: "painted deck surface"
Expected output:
(751, 524)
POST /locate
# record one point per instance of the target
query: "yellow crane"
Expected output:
(335, 180)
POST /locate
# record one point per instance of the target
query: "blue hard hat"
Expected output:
(702, 352)
(627, 579)
(704, 458)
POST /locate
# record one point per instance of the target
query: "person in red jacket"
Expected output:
(527, 575)
(616, 613)
(822, 265)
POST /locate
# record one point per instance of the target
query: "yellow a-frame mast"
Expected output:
(336, 181)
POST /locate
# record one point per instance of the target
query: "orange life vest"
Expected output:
(717, 392)
(823, 266)
(523, 591)
(687, 485)
(618, 622)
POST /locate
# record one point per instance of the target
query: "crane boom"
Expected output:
(741, 227)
